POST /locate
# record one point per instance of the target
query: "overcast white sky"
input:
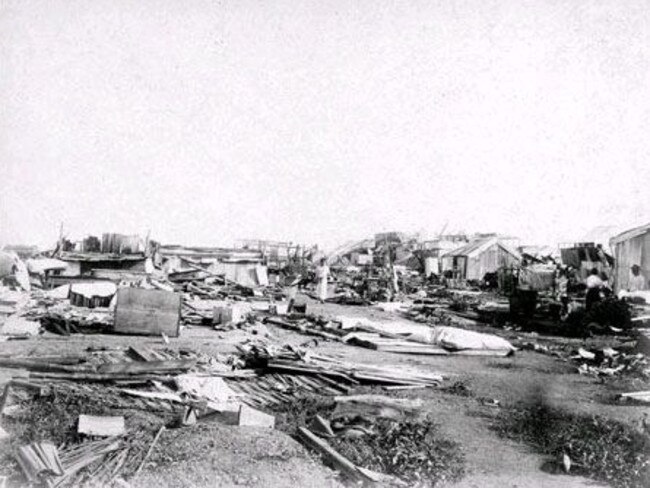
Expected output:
(322, 121)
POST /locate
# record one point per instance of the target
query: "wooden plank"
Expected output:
(296, 368)
(99, 377)
(39, 458)
(322, 426)
(149, 451)
(141, 354)
(302, 329)
(5, 397)
(410, 349)
(483, 352)
(636, 393)
(639, 396)
(147, 367)
(378, 378)
(404, 387)
(147, 312)
(42, 390)
(65, 360)
(101, 425)
(333, 458)
(33, 364)
(155, 395)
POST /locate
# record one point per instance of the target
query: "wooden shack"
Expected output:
(629, 248)
(481, 256)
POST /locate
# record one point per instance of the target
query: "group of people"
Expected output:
(294, 276)
(598, 285)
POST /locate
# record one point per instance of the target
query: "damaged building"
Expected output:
(478, 258)
(631, 248)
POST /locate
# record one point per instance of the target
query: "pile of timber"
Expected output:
(104, 366)
(368, 337)
(42, 463)
(291, 361)
(272, 390)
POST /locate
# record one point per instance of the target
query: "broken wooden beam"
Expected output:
(34, 364)
(330, 455)
(147, 366)
(39, 459)
(303, 329)
(149, 451)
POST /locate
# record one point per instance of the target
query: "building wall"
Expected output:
(489, 261)
(453, 263)
(627, 253)
(244, 273)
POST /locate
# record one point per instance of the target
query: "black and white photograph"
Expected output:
(324, 244)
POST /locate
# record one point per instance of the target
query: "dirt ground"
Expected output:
(235, 457)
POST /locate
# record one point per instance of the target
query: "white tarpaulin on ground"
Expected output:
(219, 395)
(459, 339)
(392, 327)
(451, 338)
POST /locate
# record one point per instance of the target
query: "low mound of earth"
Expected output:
(213, 454)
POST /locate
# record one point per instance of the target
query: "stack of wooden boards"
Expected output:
(297, 362)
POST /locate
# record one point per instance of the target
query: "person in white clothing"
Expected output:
(322, 274)
(594, 284)
(637, 281)
(593, 280)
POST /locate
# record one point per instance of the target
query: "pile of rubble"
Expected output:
(61, 412)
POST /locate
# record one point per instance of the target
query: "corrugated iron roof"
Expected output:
(473, 247)
(478, 246)
(629, 234)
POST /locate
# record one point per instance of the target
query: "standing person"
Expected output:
(605, 289)
(594, 284)
(637, 281)
(292, 279)
(562, 284)
(322, 274)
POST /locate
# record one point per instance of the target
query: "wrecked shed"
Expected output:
(244, 272)
(84, 263)
(584, 257)
(481, 256)
(629, 248)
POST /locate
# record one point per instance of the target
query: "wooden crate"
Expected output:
(147, 312)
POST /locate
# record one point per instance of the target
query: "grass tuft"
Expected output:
(600, 448)
(414, 451)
